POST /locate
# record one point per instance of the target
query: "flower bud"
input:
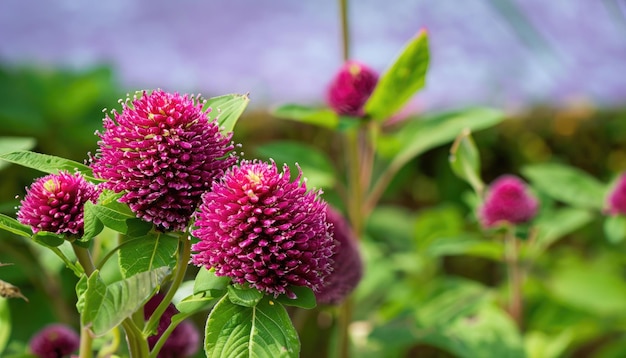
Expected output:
(507, 201)
(350, 89)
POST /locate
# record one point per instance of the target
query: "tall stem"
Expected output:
(515, 275)
(86, 341)
(345, 29)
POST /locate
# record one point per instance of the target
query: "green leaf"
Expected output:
(207, 281)
(401, 80)
(10, 144)
(46, 163)
(264, 330)
(555, 225)
(147, 253)
(315, 164)
(48, 239)
(106, 306)
(420, 135)
(227, 109)
(615, 228)
(5, 323)
(567, 184)
(117, 216)
(305, 298)
(11, 225)
(465, 160)
(465, 245)
(92, 226)
(195, 303)
(248, 297)
(319, 117)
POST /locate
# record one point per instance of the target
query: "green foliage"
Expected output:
(401, 80)
(263, 330)
(5, 323)
(146, 253)
(244, 296)
(106, 306)
(315, 164)
(46, 163)
(325, 118)
(11, 144)
(305, 298)
(227, 109)
(465, 160)
(615, 228)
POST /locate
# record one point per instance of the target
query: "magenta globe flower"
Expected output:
(262, 230)
(351, 88)
(617, 197)
(54, 341)
(507, 201)
(347, 262)
(163, 153)
(55, 203)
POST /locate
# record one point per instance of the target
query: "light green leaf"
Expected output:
(465, 160)
(320, 117)
(422, 134)
(117, 216)
(11, 225)
(46, 163)
(315, 164)
(248, 297)
(615, 228)
(92, 226)
(147, 253)
(206, 280)
(305, 298)
(264, 330)
(465, 245)
(227, 109)
(195, 303)
(106, 306)
(555, 225)
(5, 323)
(48, 239)
(401, 80)
(567, 184)
(10, 144)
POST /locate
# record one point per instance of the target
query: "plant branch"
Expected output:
(86, 341)
(515, 276)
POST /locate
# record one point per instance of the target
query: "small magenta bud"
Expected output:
(617, 197)
(350, 89)
(507, 201)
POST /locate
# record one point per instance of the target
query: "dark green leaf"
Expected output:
(106, 306)
(401, 80)
(11, 144)
(465, 160)
(305, 298)
(555, 225)
(11, 225)
(247, 297)
(206, 280)
(196, 303)
(147, 253)
(567, 184)
(422, 134)
(315, 164)
(315, 116)
(264, 330)
(615, 228)
(227, 109)
(45, 163)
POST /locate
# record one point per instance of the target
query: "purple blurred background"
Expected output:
(506, 53)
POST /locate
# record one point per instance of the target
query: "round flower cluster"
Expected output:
(351, 88)
(261, 229)
(55, 203)
(508, 201)
(53, 341)
(163, 152)
(347, 263)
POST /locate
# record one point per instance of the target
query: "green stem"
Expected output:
(137, 345)
(345, 29)
(515, 276)
(86, 341)
(166, 334)
(179, 275)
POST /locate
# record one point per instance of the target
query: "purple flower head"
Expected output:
(54, 341)
(350, 88)
(184, 339)
(347, 263)
(163, 152)
(261, 229)
(55, 203)
(617, 197)
(507, 200)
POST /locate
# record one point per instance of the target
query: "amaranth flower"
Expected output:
(163, 152)
(507, 200)
(261, 229)
(55, 203)
(347, 263)
(54, 341)
(617, 197)
(350, 88)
